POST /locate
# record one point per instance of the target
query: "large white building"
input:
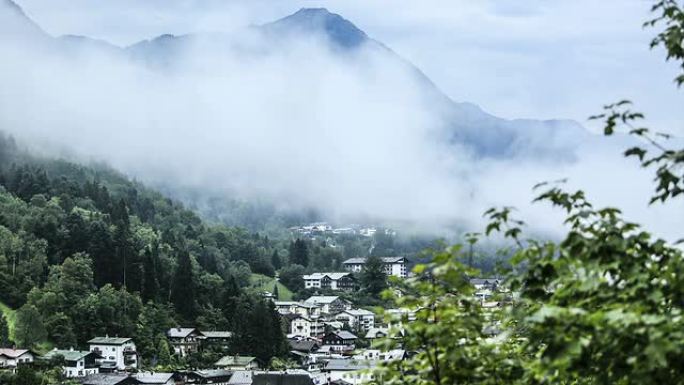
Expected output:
(117, 353)
(76, 363)
(357, 318)
(329, 304)
(11, 358)
(306, 327)
(332, 281)
(394, 266)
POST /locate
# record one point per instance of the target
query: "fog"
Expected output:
(301, 125)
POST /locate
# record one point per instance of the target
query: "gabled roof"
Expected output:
(234, 361)
(322, 299)
(70, 355)
(333, 276)
(180, 332)
(13, 353)
(303, 345)
(212, 374)
(343, 334)
(358, 312)
(361, 261)
(217, 334)
(107, 379)
(152, 378)
(374, 332)
(108, 341)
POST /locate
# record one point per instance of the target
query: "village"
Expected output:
(331, 341)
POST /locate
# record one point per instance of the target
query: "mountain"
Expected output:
(15, 24)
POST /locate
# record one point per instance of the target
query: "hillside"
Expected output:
(10, 315)
(263, 283)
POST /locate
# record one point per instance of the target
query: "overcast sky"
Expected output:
(515, 58)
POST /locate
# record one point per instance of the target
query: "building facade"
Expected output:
(117, 353)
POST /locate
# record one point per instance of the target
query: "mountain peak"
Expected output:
(15, 22)
(319, 20)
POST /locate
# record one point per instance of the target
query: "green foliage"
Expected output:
(291, 277)
(4, 332)
(299, 252)
(259, 331)
(373, 277)
(30, 329)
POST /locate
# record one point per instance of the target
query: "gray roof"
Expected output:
(361, 261)
(180, 332)
(212, 374)
(345, 335)
(217, 334)
(303, 345)
(152, 378)
(106, 379)
(13, 353)
(234, 361)
(108, 341)
(323, 299)
(282, 378)
(342, 364)
(70, 355)
(241, 377)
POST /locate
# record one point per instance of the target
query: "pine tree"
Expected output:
(373, 276)
(5, 341)
(275, 260)
(30, 328)
(163, 352)
(299, 253)
(276, 293)
(150, 282)
(183, 287)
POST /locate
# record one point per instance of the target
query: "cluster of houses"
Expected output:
(345, 281)
(323, 228)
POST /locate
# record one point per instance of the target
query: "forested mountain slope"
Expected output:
(84, 252)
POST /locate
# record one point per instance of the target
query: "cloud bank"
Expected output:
(300, 124)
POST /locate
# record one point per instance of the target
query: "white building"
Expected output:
(117, 353)
(329, 304)
(11, 358)
(350, 371)
(357, 318)
(76, 363)
(332, 281)
(184, 340)
(305, 309)
(306, 327)
(394, 266)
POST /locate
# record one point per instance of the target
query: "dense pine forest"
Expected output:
(84, 252)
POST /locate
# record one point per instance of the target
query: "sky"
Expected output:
(516, 59)
(306, 127)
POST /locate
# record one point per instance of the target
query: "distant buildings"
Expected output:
(394, 266)
(329, 304)
(184, 340)
(331, 281)
(237, 363)
(357, 319)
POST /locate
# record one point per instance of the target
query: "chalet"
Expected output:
(394, 266)
(306, 346)
(76, 363)
(216, 338)
(117, 353)
(154, 378)
(237, 363)
(339, 341)
(376, 333)
(330, 281)
(11, 358)
(350, 371)
(184, 340)
(108, 379)
(357, 318)
(305, 327)
(329, 304)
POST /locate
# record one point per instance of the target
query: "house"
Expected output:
(376, 333)
(282, 378)
(308, 310)
(76, 363)
(108, 379)
(117, 353)
(184, 340)
(11, 358)
(329, 304)
(305, 346)
(351, 371)
(339, 341)
(216, 338)
(357, 318)
(214, 377)
(378, 355)
(394, 266)
(330, 281)
(485, 289)
(237, 363)
(305, 327)
(154, 378)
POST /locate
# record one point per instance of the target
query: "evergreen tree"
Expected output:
(373, 276)
(275, 260)
(183, 287)
(163, 352)
(150, 283)
(276, 293)
(299, 252)
(5, 341)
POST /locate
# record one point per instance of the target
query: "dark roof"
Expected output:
(281, 379)
(303, 345)
(107, 379)
(152, 378)
(343, 334)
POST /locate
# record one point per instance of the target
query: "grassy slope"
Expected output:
(10, 316)
(264, 283)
